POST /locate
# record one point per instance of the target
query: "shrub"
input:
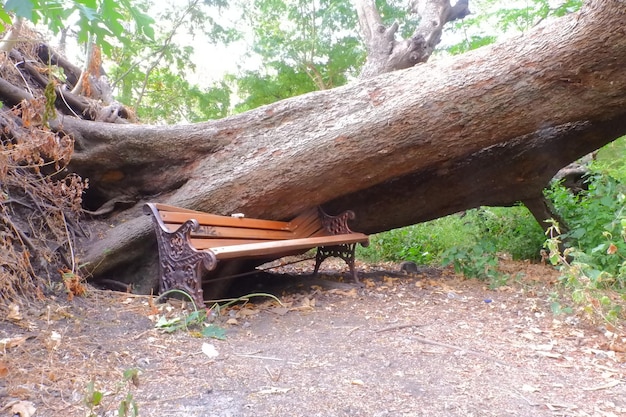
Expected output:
(491, 229)
(597, 229)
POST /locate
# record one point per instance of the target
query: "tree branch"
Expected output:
(385, 53)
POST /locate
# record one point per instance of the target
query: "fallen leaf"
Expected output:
(55, 338)
(14, 312)
(246, 312)
(280, 311)
(389, 280)
(557, 407)
(216, 332)
(11, 342)
(352, 293)
(4, 370)
(617, 347)
(529, 388)
(209, 350)
(23, 409)
(612, 249)
(369, 283)
(307, 305)
(547, 347)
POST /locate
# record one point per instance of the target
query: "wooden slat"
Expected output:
(272, 248)
(211, 243)
(303, 217)
(217, 232)
(214, 219)
(307, 224)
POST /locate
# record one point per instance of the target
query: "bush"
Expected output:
(422, 243)
(596, 239)
(491, 229)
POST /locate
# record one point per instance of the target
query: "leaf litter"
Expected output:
(398, 345)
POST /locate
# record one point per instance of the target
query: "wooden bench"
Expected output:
(189, 241)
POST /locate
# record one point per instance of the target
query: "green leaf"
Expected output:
(5, 17)
(96, 398)
(214, 332)
(89, 13)
(22, 8)
(170, 325)
(130, 374)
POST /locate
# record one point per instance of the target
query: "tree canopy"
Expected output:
(300, 46)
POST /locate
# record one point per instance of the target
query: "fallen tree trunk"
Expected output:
(488, 127)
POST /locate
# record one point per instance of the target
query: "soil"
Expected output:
(428, 343)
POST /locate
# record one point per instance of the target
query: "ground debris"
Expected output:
(380, 349)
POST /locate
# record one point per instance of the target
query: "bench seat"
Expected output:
(191, 243)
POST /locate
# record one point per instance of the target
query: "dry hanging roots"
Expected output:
(39, 206)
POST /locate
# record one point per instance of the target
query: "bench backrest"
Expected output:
(218, 231)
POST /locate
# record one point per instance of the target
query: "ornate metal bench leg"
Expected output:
(183, 270)
(345, 252)
(180, 263)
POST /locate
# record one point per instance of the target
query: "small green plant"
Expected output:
(479, 261)
(198, 317)
(557, 306)
(589, 285)
(127, 407)
(92, 398)
(596, 239)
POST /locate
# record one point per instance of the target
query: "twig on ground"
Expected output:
(273, 377)
(269, 358)
(352, 330)
(531, 403)
(608, 385)
(398, 327)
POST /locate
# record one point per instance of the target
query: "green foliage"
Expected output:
(100, 21)
(610, 160)
(478, 261)
(593, 263)
(597, 233)
(199, 317)
(471, 42)
(422, 243)
(488, 229)
(304, 46)
(92, 398)
(510, 230)
(127, 407)
(258, 89)
(153, 74)
(587, 284)
(492, 18)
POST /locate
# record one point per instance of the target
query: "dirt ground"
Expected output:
(422, 344)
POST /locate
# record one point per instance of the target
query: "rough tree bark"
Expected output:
(489, 127)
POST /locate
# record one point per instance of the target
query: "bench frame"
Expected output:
(182, 266)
